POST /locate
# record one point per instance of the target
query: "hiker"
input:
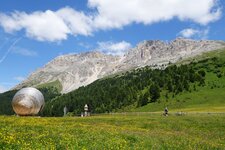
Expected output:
(166, 111)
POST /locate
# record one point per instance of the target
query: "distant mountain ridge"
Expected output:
(76, 70)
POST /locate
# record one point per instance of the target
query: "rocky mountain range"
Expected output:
(76, 70)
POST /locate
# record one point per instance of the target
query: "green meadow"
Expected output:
(118, 131)
(196, 120)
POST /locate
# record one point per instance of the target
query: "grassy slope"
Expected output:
(114, 132)
(55, 84)
(205, 99)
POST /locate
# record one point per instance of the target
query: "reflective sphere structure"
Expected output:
(28, 101)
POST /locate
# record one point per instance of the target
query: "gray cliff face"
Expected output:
(77, 70)
(73, 71)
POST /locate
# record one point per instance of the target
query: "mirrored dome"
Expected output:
(28, 101)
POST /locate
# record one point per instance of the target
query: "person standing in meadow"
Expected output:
(166, 111)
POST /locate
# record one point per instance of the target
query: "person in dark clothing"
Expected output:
(166, 111)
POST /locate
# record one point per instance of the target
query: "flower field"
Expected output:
(143, 131)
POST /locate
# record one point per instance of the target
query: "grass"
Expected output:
(220, 53)
(209, 98)
(55, 84)
(200, 128)
(145, 131)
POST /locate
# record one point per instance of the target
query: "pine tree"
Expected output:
(154, 92)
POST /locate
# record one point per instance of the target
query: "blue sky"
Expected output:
(34, 32)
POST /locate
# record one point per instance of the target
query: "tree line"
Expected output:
(140, 86)
(137, 87)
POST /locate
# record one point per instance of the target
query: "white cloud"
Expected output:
(117, 13)
(2, 89)
(194, 33)
(48, 25)
(85, 45)
(113, 48)
(23, 51)
(19, 78)
(187, 33)
(107, 14)
(43, 26)
(77, 22)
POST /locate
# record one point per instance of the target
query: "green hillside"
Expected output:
(209, 98)
(192, 85)
(56, 85)
(5, 103)
(49, 90)
(196, 84)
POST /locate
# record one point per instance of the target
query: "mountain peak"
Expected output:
(75, 70)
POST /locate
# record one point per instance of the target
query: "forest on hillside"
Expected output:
(137, 87)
